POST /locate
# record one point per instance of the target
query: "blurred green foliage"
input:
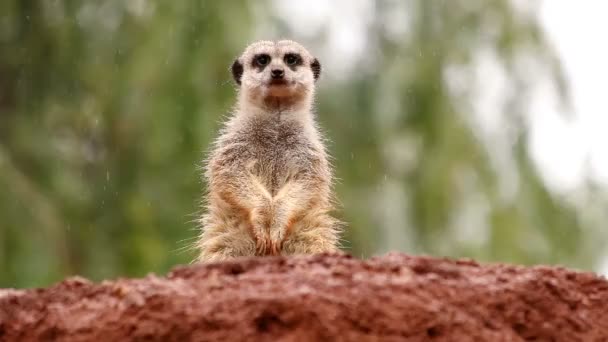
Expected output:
(107, 108)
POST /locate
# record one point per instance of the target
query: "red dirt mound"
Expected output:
(317, 298)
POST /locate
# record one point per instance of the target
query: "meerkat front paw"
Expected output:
(261, 222)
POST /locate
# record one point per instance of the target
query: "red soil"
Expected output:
(318, 298)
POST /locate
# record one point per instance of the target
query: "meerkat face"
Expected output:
(283, 71)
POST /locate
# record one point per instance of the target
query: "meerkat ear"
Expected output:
(237, 71)
(316, 68)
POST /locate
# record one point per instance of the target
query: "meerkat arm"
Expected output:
(309, 229)
(288, 205)
(238, 207)
(301, 219)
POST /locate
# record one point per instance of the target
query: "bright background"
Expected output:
(459, 128)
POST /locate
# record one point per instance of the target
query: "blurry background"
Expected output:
(459, 128)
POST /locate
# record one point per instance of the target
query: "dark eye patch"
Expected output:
(292, 60)
(260, 61)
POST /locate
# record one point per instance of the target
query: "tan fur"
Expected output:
(269, 180)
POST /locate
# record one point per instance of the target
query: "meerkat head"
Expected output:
(276, 75)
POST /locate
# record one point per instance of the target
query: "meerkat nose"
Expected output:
(277, 73)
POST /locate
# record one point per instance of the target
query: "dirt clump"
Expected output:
(318, 298)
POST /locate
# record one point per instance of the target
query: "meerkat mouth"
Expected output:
(278, 82)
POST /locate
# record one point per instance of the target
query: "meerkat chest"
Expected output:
(279, 153)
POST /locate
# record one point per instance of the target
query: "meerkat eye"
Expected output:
(262, 60)
(292, 59)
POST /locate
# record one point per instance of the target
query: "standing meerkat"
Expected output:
(268, 175)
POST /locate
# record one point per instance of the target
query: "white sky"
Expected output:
(567, 149)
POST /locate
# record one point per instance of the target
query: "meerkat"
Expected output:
(269, 182)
